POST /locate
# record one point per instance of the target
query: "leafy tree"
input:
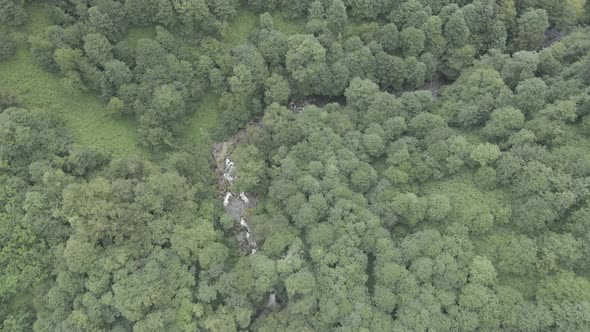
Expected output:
(456, 31)
(485, 153)
(272, 44)
(28, 136)
(482, 272)
(107, 18)
(242, 82)
(486, 30)
(130, 295)
(388, 37)
(7, 46)
(296, 8)
(262, 5)
(374, 144)
(410, 14)
(424, 123)
(277, 89)
(98, 48)
(22, 255)
(305, 59)
(82, 160)
(251, 170)
(12, 12)
(565, 286)
(412, 41)
(415, 72)
(360, 93)
(363, 178)
(409, 207)
(563, 110)
(434, 42)
(439, 207)
(359, 58)
(364, 9)
(394, 127)
(503, 122)
(530, 33)
(67, 59)
(300, 283)
(8, 99)
(369, 214)
(530, 95)
(160, 119)
(522, 66)
(458, 60)
(336, 16)
(483, 91)
(117, 73)
(390, 71)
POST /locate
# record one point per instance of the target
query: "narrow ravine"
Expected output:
(235, 204)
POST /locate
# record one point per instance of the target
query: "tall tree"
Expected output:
(530, 30)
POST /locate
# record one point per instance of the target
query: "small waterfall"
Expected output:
(235, 204)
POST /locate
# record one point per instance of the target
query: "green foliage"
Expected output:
(23, 255)
(530, 95)
(403, 172)
(7, 46)
(82, 113)
(12, 12)
(277, 90)
(8, 98)
(28, 136)
(360, 93)
(481, 91)
(456, 31)
(531, 30)
(485, 153)
(336, 16)
(388, 37)
(503, 122)
(250, 176)
(305, 59)
(158, 121)
(97, 48)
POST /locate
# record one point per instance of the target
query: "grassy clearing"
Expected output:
(380, 165)
(288, 26)
(205, 118)
(464, 194)
(360, 28)
(136, 33)
(83, 114)
(240, 27)
(37, 21)
(245, 22)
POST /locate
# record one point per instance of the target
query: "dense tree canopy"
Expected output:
(379, 166)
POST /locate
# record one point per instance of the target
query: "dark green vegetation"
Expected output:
(438, 180)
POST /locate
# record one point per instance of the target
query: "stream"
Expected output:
(235, 204)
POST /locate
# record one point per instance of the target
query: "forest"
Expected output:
(294, 165)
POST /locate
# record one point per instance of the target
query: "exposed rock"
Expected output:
(272, 299)
(226, 199)
(244, 198)
(236, 205)
(319, 101)
(552, 36)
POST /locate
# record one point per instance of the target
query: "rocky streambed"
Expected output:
(236, 204)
